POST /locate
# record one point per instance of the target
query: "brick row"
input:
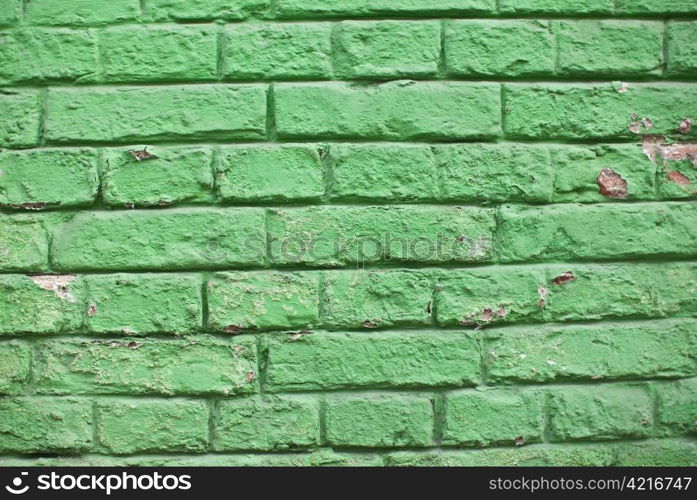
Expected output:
(471, 417)
(49, 178)
(348, 50)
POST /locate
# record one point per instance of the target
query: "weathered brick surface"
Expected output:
(348, 232)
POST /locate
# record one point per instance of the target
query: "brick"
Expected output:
(577, 170)
(135, 304)
(355, 299)
(10, 12)
(21, 110)
(378, 49)
(203, 10)
(657, 453)
(45, 425)
(654, 7)
(270, 173)
(128, 114)
(331, 236)
(561, 232)
(494, 172)
(41, 304)
(48, 177)
(594, 111)
(262, 301)
(389, 172)
(39, 55)
(496, 416)
(81, 12)
(677, 406)
(154, 53)
(487, 296)
(176, 175)
(381, 359)
(160, 239)
(499, 48)
(15, 366)
(621, 291)
(682, 54)
(146, 366)
(379, 420)
(277, 51)
(361, 8)
(556, 6)
(393, 110)
(266, 423)
(23, 243)
(622, 48)
(143, 425)
(600, 412)
(592, 352)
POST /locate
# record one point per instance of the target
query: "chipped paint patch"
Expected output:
(56, 284)
(611, 184)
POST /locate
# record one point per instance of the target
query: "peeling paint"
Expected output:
(611, 184)
(57, 284)
(566, 277)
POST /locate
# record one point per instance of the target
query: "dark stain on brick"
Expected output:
(611, 184)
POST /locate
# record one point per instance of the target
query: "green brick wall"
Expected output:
(367, 232)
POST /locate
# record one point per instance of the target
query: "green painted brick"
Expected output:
(610, 411)
(499, 48)
(146, 366)
(626, 48)
(487, 296)
(178, 175)
(262, 301)
(81, 12)
(594, 111)
(277, 51)
(23, 243)
(128, 114)
(389, 172)
(266, 423)
(154, 53)
(677, 406)
(561, 231)
(40, 178)
(377, 49)
(401, 109)
(10, 12)
(379, 420)
(591, 352)
(495, 416)
(135, 304)
(376, 299)
(45, 425)
(330, 236)
(682, 53)
(622, 291)
(127, 426)
(381, 359)
(657, 453)
(494, 172)
(577, 169)
(201, 10)
(270, 173)
(21, 112)
(361, 8)
(159, 239)
(41, 303)
(655, 7)
(511, 7)
(38, 55)
(15, 366)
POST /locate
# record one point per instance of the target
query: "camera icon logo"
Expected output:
(16, 488)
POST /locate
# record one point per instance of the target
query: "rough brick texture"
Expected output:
(348, 232)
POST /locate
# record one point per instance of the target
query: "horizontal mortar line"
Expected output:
(363, 82)
(425, 330)
(374, 267)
